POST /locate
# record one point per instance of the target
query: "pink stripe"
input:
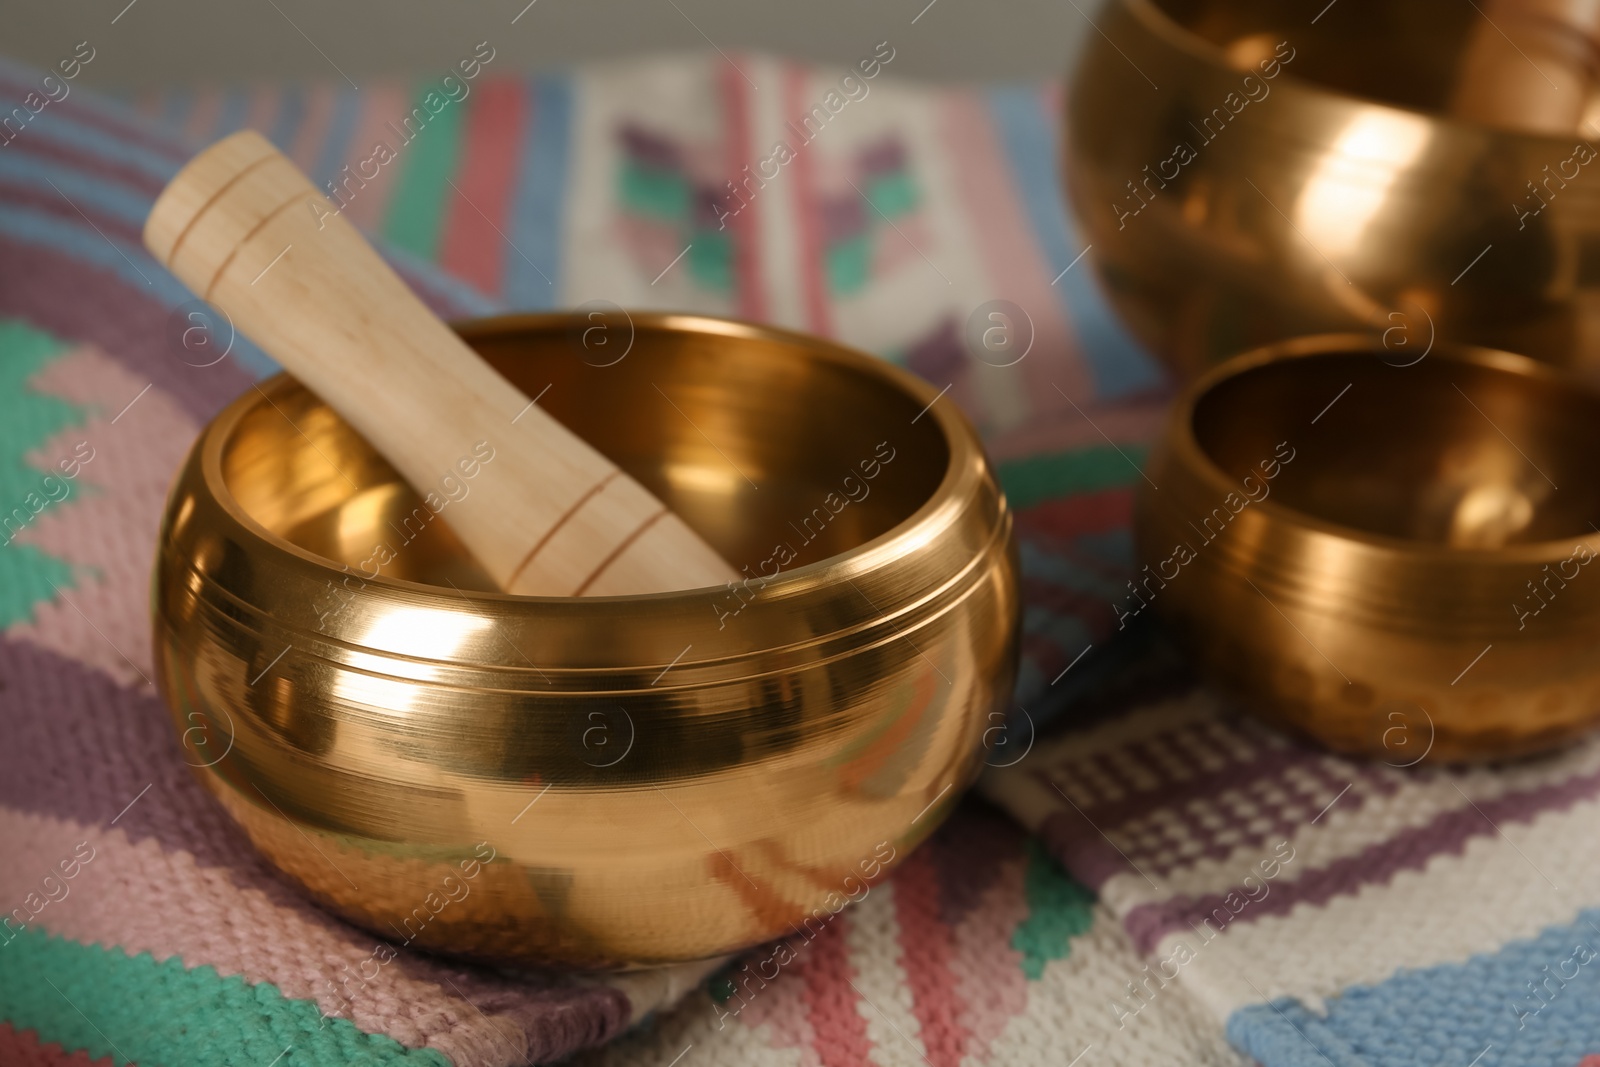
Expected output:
(835, 1008)
(987, 969)
(307, 148)
(120, 488)
(1010, 254)
(749, 287)
(925, 941)
(472, 247)
(265, 102)
(813, 268)
(21, 1048)
(141, 898)
(781, 1008)
(1135, 421)
(380, 106)
(151, 105)
(201, 125)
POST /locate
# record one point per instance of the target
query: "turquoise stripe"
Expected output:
(336, 149)
(291, 113)
(1449, 1013)
(235, 108)
(80, 241)
(1119, 365)
(82, 189)
(135, 1009)
(540, 200)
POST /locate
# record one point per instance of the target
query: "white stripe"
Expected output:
(873, 941)
(777, 212)
(1347, 833)
(1460, 905)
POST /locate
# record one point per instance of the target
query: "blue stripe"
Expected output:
(445, 293)
(539, 205)
(291, 113)
(129, 262)
(1119, 365)
(1449, 1013)
(92, 141)
(346, 110)
(82, 190)
(235, 107)
(127, 126)
(176, 109)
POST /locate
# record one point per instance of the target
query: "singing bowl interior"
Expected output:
(1379, 555)
(1447, 452)
(598, 782)
(1244, 176)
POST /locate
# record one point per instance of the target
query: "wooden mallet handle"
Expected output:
(247, 231)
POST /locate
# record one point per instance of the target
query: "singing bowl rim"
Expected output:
(1169, 31)
(964, 469)
(1190, 458)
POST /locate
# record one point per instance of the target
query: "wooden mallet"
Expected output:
(248, 232)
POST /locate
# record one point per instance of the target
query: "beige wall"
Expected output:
(157, 42)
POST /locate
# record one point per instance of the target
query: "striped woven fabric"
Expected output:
(142, 927)
(1416, 919)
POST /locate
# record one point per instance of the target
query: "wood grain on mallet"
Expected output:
(246, 230)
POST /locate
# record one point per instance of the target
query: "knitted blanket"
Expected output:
(1110, 920)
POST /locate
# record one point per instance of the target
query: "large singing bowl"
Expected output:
(1248, 171)
(597, 782)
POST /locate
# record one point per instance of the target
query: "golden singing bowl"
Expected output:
(1378, 555)
(606, 781)
(1228, 208)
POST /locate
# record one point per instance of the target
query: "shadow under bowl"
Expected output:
(1392, 559)
(597, 782)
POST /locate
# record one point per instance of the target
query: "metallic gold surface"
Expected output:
(1334, 195)
(656, 778)
(1378, 555)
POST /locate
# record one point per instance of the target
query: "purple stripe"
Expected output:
(1272, 763)
(84, 304)
(969, 855)
(1082, 849)
(81, 747)
(107, 118)
(135, 180)
(49, 202)
(1377, 864)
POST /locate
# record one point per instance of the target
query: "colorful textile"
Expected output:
(1326, 911)
(1411, 917)
(138, 924)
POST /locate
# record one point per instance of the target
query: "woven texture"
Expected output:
(1403, 924)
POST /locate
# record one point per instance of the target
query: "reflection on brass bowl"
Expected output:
(1379, 556)
(1228, 209)
(607, 781)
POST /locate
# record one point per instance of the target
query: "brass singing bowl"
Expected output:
(1378, 555)
(1338, 196)
(598, 782)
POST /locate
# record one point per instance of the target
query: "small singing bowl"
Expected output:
(600, 782)
(1245, 176)
(1379, 555)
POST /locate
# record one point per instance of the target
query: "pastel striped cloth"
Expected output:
(141, 926)
(1409, 918)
